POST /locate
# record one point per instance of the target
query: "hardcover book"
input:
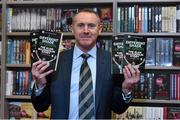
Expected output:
(45, 46)
(162, 86)
(128, 49)
(174, 113)
(66, 19)
(106, 18)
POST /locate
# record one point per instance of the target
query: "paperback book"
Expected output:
(45, 46)
(128, 49)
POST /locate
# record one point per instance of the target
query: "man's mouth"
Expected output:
(85, 36)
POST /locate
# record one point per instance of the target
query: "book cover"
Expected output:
(176, 52)
(45, 46)
(117, 55)
(105, 14)
(174, 113)
(21, 110)
(150, 56)
(128, 49)
(66, 19)
(135, 51)
(162, 86)
(178, 18)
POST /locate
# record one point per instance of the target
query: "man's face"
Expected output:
(86, 29)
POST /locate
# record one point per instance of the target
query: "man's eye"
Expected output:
(91, 25)
(80, 25)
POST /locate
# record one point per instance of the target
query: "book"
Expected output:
(21, 110)
(176, 52)
(117, 54)
(128, 49)
(66, 19)
(151, 48)
(45, 46)
(105, 14)
(162, 86)
(174, 113)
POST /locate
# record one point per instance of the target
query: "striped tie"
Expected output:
(86, 100)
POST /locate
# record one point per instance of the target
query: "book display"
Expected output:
(128, 49)
(45, 45)
(155, 22)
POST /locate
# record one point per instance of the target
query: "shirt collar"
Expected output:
(77, 52)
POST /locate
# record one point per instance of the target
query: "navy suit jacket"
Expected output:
(108, 96)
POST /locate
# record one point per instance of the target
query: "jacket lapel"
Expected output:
(99, 76)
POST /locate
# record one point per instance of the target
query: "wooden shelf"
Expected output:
(162, 67)
(147, 1)
(26, 97)
(18, 65)
(155, 102)
(153, 34)
(48, 2)
(18, 33)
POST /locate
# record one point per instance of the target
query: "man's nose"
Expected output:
(86, 29)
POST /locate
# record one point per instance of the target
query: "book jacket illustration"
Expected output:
(128, 49)
(45, 46)
(135, 51)
(117, 54)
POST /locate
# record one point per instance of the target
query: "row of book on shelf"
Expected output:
(18, 82)
(51, 18)
(152, 85)
(158, 85)
(148, 18)
(18, 50)
(161, 51)
(147, 113)
(129, 19)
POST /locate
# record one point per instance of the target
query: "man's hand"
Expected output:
(131, 77)
(39, 74)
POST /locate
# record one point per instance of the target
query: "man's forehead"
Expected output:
(86, 17)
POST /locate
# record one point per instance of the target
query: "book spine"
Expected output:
(178, 17)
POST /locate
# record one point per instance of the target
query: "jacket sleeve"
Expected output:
(41, 102)
(118, 104)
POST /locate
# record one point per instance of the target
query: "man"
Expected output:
(61, 88)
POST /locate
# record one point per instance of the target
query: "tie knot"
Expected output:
(85, 56)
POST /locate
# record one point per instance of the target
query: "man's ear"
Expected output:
(71, 29)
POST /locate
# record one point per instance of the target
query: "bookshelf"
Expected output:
(114, 4)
